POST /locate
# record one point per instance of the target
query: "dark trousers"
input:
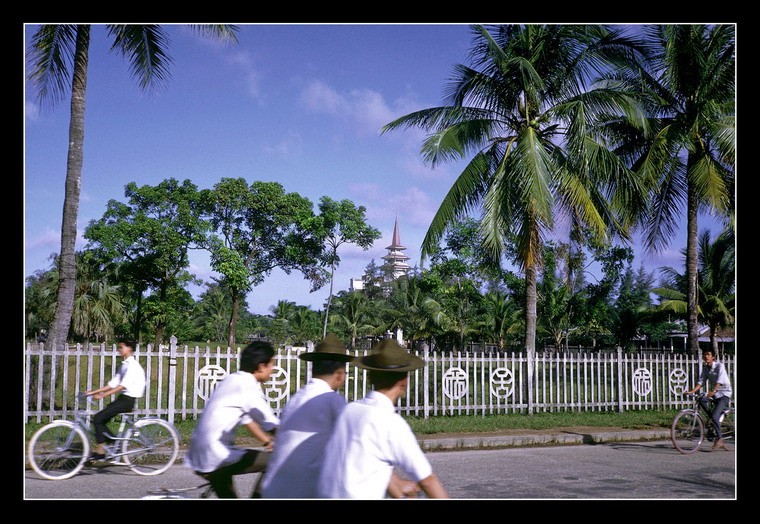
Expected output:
(715, 407)
(122, 404)
(221, 479)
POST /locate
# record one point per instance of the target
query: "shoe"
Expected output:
(97, 456)
(719, 444)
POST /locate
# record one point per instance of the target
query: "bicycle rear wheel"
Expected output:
(151, 447)
(58, 450)
(728, 425)
(687, 432)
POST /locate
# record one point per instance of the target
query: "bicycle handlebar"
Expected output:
(83, 398)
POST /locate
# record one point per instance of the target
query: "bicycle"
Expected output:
(180, 493)
(59, 450)
(688, 429)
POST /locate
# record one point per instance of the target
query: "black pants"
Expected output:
(122, 404)
(253, 461)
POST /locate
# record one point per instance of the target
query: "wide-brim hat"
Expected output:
(331, 348)
(389, 356)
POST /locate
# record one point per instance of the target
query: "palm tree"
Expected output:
(59, 57)
(354, 316)
(500, 317)
(716, 284)
(525, 110)
(689, 158)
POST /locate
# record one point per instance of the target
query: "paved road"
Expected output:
(614, 470)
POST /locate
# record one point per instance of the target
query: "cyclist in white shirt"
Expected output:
(129, 383)
(719, 395)
(237, 400)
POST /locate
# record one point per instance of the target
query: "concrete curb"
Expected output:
(559, 438)
(552, 439)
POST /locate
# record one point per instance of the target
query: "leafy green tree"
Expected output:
(633, 308)
(152, 235)
(688, 157)
(257, 229)
(59, 61)
(341, 223)
(526, 111)
(39, 302)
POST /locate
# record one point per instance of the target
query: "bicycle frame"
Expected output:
(691, 424)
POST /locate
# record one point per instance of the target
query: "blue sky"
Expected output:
(300, 104)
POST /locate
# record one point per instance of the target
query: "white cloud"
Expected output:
(291, 144)
(31, 111)
(48, 238)
(364, 108)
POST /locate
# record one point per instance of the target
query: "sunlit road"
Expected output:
(625, 470)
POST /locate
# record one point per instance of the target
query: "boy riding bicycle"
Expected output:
(717, 399)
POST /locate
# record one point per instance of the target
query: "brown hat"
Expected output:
(331, 348)
(389, 356)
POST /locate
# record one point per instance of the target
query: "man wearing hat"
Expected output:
(306, 423)
(370, 439)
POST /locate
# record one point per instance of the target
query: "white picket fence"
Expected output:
(181, 378)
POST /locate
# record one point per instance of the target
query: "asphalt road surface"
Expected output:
(613, 471)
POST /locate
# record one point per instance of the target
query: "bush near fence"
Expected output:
(453, 383)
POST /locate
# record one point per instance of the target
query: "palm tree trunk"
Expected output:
(530, 326)
(59, 330)
(692, 205)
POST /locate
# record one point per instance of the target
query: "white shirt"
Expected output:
(131, 375)
(716, 374)
(307, 422)
(370, 440)
(237, 400)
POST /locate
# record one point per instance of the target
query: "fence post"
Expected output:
(620, 387)
(172, 377)
(425, 382)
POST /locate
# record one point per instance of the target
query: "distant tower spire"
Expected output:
(395, 258)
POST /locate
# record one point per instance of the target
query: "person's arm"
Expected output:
(104, 391)
(399, 488)
(255, 430)
(693, 390)
(433, 487)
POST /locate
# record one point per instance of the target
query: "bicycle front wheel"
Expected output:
(58, 450)
(151, 447)
(687, 432)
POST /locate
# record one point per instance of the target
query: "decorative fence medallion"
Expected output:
(455, 382)
(207, 379)
(678, 381)
(502, 383)
(642, 382)
(276, 387)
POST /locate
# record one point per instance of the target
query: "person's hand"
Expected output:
(409, 489)
(98, 396)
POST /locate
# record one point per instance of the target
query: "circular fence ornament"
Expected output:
(502, 383)
(455, 382)
(207, 379)
(678, 381)
(642, 382)
(276, 387)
